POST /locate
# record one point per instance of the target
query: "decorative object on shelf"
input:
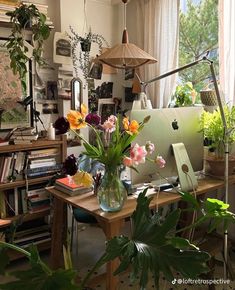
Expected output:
(23, 17)
(83, 60)
(112, 149)
(212, 126)
(151, 239)
(125, 55)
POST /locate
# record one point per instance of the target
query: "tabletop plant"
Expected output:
(212, 126)
(26, 17)
(154, 247)
(112, 148)
(184, 95)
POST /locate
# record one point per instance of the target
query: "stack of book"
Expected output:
(35, 231)
(42, 162)
(6, 6)
(24, 135)
(68, 186)
(38, 200)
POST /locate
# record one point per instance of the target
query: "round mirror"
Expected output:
(76, 94)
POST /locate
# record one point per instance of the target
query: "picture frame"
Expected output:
(14, 113)
(106, 107)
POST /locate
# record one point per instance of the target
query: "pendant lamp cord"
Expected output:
(85, 26)
(124, 15)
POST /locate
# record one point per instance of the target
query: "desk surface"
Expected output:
(89, 201)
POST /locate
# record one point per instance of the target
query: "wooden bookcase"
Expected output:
(61, 144)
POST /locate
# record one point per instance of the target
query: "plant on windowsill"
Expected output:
(184, 95)
(26, 17)
(212, 126)
(83, 60)
(154, 247)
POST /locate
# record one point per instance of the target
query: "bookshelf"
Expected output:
(23, 181)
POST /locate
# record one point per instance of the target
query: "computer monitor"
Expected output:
(166, 127)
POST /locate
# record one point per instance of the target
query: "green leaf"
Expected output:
(153, 248)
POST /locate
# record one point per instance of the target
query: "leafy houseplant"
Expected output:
(212, 126)
(184, 95)
(154, 247)
(83, 61)
(23, 17)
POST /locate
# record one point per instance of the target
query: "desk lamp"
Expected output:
(227, 132)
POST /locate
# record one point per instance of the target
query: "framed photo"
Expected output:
(13, 112)
(106, 107)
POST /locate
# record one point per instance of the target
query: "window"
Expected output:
(198, 33)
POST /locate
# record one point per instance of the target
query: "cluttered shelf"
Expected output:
(24, 217)
(24, 203)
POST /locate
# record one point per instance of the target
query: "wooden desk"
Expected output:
(110, 222)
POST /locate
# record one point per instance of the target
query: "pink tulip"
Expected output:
(160, 161)
(137, 154)
(127, 161)
(149, 146)
(110, 124)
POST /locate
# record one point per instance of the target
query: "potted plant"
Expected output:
(83, 61)
(184, 95)
(23, 17)
(154, 247)
(212, 126)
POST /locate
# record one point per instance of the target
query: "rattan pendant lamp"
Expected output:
(125, 55)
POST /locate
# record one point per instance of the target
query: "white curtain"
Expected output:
(157, 33)
(227, 49)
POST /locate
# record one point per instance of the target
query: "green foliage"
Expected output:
(198, 33)
(154, 247)
(212, 126)
(23, 17)
(184, 95)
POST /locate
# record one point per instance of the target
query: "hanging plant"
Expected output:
(82, 61)
(26, 16)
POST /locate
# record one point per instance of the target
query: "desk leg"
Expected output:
(59, 229)
(111, 230)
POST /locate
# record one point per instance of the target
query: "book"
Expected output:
(68, 183)
(79, 191)
(2, 205)
(26, 137)
(43, 151)
(42, 164)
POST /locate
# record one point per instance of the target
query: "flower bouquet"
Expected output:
(113, 147)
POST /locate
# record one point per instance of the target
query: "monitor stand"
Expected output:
(187, 177)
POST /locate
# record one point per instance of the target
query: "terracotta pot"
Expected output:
(217, 166)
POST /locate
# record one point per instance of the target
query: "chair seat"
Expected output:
(82, 216)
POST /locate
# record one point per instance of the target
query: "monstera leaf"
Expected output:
(154, 249)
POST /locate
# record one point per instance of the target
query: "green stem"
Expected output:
(45, 268)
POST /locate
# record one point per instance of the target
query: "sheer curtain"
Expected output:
(157, 33)
(227, 49)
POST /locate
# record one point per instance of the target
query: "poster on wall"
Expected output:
(62, 49)
(12, 112)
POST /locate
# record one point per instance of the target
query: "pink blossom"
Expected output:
(160, 161)
(137, 154)
(127, 161)
(149, 146)
(110, 124)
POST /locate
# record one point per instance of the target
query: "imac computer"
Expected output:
(166, 127)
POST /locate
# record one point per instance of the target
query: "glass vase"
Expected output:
(111, 193)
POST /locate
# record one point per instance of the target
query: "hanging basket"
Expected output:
(85, 45)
